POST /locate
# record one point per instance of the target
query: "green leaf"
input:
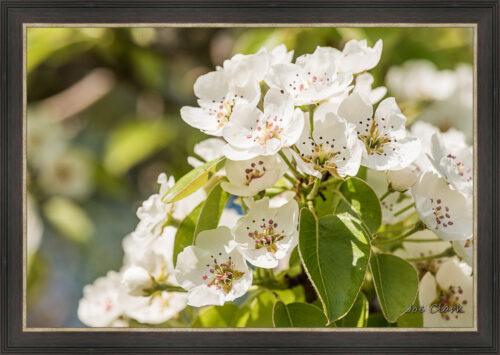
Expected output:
(69, 219)
(358, 314)
(361, 202)
(185, 233)
(135, 141)
(217, 316)
(327, 200)
(212, 209)
(205, 216)
(396, 283)
(412, 319)
(335, 253)
(193, 180)
(260, 311)
(298, 315)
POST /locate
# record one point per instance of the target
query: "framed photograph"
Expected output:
(249, 176)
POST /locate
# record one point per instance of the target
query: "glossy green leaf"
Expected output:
(412, 319)
(217, 316)
(396, 283)
(211, 210)
(298, 315)
(135, 141)
(358, 314)
(360, 201)
(193, 180)
(335, 252)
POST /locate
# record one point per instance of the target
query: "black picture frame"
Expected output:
(14, 13)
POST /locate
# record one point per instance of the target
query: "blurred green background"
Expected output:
(103, 122)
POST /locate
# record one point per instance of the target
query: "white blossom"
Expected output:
(250, 68)
(444, 211)
(402, 180)
(218, 93)
(420, 80)
(363, 86)
(252, 132)
(313, 78)
(99, 306)
(34, 226)
(156, 309)
(357, 56)
(388, 146)
(266, 235)
(451, 288)
(455, 165)
(248, 177)
(211, 270)
(332, 146)
(208, 149)
(465, 250)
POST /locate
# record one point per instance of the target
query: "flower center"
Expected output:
(462, 170)
(442, 214)
(374, 139)
(322, 157)
(223, 109)
(223, 274)
(267, 237)
(450, 298)
(256, 171)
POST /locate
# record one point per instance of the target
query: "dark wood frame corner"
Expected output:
(15, 13)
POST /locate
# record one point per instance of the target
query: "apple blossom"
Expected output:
(332, 146)
(252, 132)
(455, 165)
(248, 177)
(445, 211)
(451, 288)
(313, 78)
(218, 93)
(387, 144)
(211, 271)
(266, 235)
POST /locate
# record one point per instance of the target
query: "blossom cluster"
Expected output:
(283, 128)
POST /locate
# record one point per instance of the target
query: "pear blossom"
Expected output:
(388, 146)
(218, 93)
(332, 146)
(228, 217)
(455, 165)
(465, 250)
(248, 177)
(363, 86)
(265, 235)
(156, 309)
(154, 213)
(357, 57)
(413, 250)
(313, 78)
(394, 202)
(249, 68)
(279, 55)
(445, 211)
(252, 132)
(208, 149)
(212, 271)
(402, 180)
(420, 80)
(100, 306)
(451, 291)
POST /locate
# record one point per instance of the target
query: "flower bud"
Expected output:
(402, 180)
(135, 279)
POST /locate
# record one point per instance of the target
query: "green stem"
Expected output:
(311, 108)
(243, 206)
(388, 192)
(417, 227)
(424, 240)
(312, 195)
(448, 252)
(290, 165)
(292, 180)
(404, 209)
(170, 288)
